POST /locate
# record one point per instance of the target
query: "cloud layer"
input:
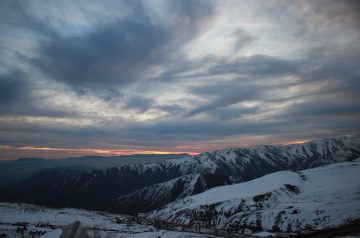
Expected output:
(176, 75)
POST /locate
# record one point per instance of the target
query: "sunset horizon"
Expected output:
(61, 153)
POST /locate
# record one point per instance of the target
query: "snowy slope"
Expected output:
(157, 195)
(286, 201)
(147, 198)
(97, 224)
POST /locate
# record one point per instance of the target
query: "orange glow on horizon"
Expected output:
(14, 152)
(296, 142)
(91, 151)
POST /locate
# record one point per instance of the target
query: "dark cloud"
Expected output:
(121, 52)
(345, 12)
(223, 95)
(242, 37)
(256, 65)
(330, 64)
(15, 18)
(324, 107)
(336, 71)
(12, 89)
(174, 109)
(112, 55)
(139, 103)
(230, 113)
(17, 99)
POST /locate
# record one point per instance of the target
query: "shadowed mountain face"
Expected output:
(143, 187)
(12, 172)
(157, 195)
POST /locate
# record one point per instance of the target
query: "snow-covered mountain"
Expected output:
(235, 165)
(157, 195)
(286, 201)
(167, 181)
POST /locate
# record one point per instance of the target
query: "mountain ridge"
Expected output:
(14, 171)
(304, 201)
(119, 188)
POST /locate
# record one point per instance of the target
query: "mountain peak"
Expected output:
(30, 159)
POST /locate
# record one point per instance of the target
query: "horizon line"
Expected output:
(83, 152)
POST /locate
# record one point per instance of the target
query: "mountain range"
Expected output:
(145, 187)
(13, 171)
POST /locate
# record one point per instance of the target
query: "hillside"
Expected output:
(286, 201)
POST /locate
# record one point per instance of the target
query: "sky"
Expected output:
(161, 76)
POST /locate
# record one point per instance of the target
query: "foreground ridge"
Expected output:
(288, 202)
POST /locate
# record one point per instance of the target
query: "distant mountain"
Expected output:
(286, 201)
(29, 159)
(129, 188)
(14, 171)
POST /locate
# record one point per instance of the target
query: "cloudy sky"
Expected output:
(120, 77)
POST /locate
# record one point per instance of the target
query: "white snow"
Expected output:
(327, 197)
(52, 234)
(263, 234)
(168, 234)
(11, 213)
(246, 190)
